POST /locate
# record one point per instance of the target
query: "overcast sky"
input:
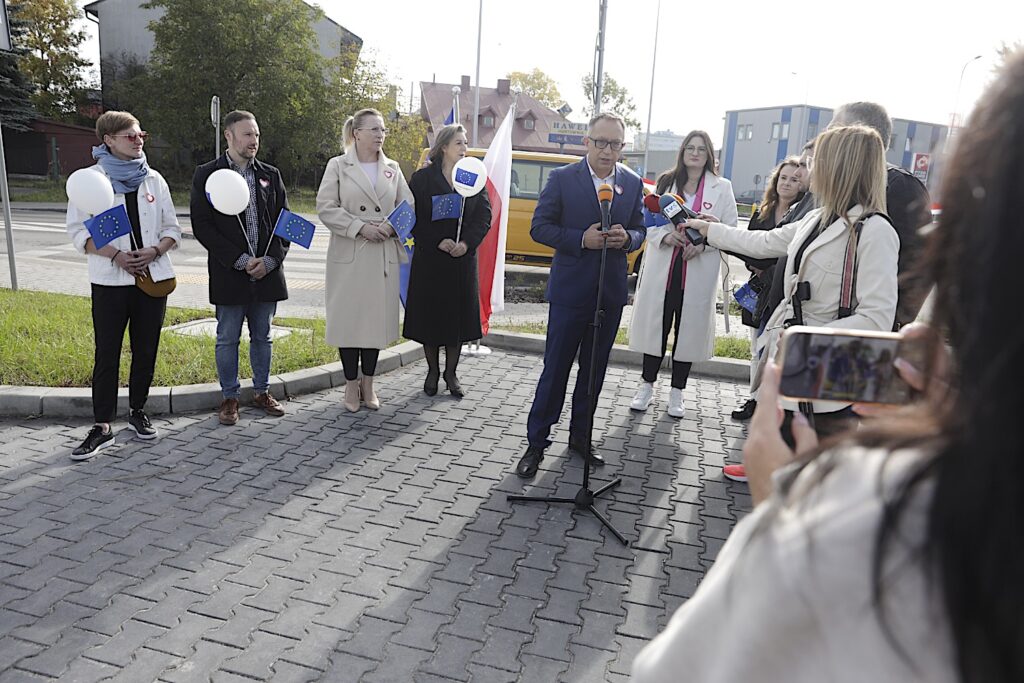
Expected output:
(712, 56)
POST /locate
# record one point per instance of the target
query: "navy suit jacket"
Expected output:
(566, 208)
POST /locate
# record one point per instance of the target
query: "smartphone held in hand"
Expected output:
(852, 366)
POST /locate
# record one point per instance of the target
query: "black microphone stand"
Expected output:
(584, 499)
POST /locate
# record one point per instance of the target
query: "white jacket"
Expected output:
(156, 221)
(822, 266)
(697, 327)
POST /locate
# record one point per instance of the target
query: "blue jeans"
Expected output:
(229, 329)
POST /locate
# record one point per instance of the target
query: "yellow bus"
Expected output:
(530, 172)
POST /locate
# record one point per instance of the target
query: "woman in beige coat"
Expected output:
(359, 190)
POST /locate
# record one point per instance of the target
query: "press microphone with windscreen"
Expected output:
(651, 203)
(604, 198)
(673, 208)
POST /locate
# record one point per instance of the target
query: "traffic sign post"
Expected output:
(5, 192)
(215, 119)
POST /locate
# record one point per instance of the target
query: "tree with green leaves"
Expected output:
(258, 55)
(15, 90)
(614, 97)
(537, 85)
(51, 62)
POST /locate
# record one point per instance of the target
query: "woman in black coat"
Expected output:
(443, 303)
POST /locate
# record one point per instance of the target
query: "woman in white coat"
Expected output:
(679, 280)
(359, 190)
(118, 302)
(848, 180)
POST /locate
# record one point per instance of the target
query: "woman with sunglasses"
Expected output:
(678, 279)
(117, 301)
(359, 191)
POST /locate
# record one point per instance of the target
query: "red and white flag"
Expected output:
(491, 253)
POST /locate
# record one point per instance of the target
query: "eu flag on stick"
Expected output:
(450, 119)
(294, 228)
(108, 226)
(402, 219)
(445, 206)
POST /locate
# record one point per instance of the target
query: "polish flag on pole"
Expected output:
(491, 253)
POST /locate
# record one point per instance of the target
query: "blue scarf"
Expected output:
(125, 176)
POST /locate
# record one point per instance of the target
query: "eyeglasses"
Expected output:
(376, 131)
(132, 137)
(691, 149)
(614, 144)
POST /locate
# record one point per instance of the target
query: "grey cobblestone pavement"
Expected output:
(375, 546)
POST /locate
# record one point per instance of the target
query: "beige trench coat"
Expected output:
(362, 276)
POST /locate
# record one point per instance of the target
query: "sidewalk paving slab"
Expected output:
(369, 546)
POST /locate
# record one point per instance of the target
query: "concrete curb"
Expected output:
(67, 402)
(716, 368)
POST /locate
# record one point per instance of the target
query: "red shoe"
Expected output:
(735, 472)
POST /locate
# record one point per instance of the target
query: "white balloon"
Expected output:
(227, 191)
(90, 191)
(469, 176)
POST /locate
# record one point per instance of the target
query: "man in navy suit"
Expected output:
(568, 219)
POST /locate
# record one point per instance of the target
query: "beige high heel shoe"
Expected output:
(369, 396)
(352, 395)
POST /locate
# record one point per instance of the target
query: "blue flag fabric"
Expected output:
(402, 219)
(108, 226)
(294, 228)
(446, 206)
(746, 297)
(654, 220)
(465, 177)
(450, 119)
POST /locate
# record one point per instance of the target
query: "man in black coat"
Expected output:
(245, 262)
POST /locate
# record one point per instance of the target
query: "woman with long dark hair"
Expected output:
(443, 304)
(894, 555)
(673, 265)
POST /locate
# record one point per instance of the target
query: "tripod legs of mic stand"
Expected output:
(584, 499)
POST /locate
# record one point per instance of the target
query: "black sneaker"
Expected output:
(144, 429)
(95, 441)
(746, 411)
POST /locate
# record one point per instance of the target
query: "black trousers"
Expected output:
(673, 310)
(113, 310)
(825, 424)
(350, 360)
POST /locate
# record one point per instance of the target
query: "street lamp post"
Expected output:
(956, 102)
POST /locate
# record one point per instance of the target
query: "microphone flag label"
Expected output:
(671, 210)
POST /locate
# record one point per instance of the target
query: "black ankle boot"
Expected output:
(430, 383)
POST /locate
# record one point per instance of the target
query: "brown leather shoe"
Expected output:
(228, 412)
(269, 404)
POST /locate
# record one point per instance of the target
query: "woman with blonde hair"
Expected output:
(443, 304)
(782, 191)
(679, 280)
(848, 180)
(359, 190)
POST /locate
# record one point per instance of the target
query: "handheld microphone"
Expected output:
(604, 198)
(673, 208)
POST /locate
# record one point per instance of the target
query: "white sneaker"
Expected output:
(643, 398)
(675, 403)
